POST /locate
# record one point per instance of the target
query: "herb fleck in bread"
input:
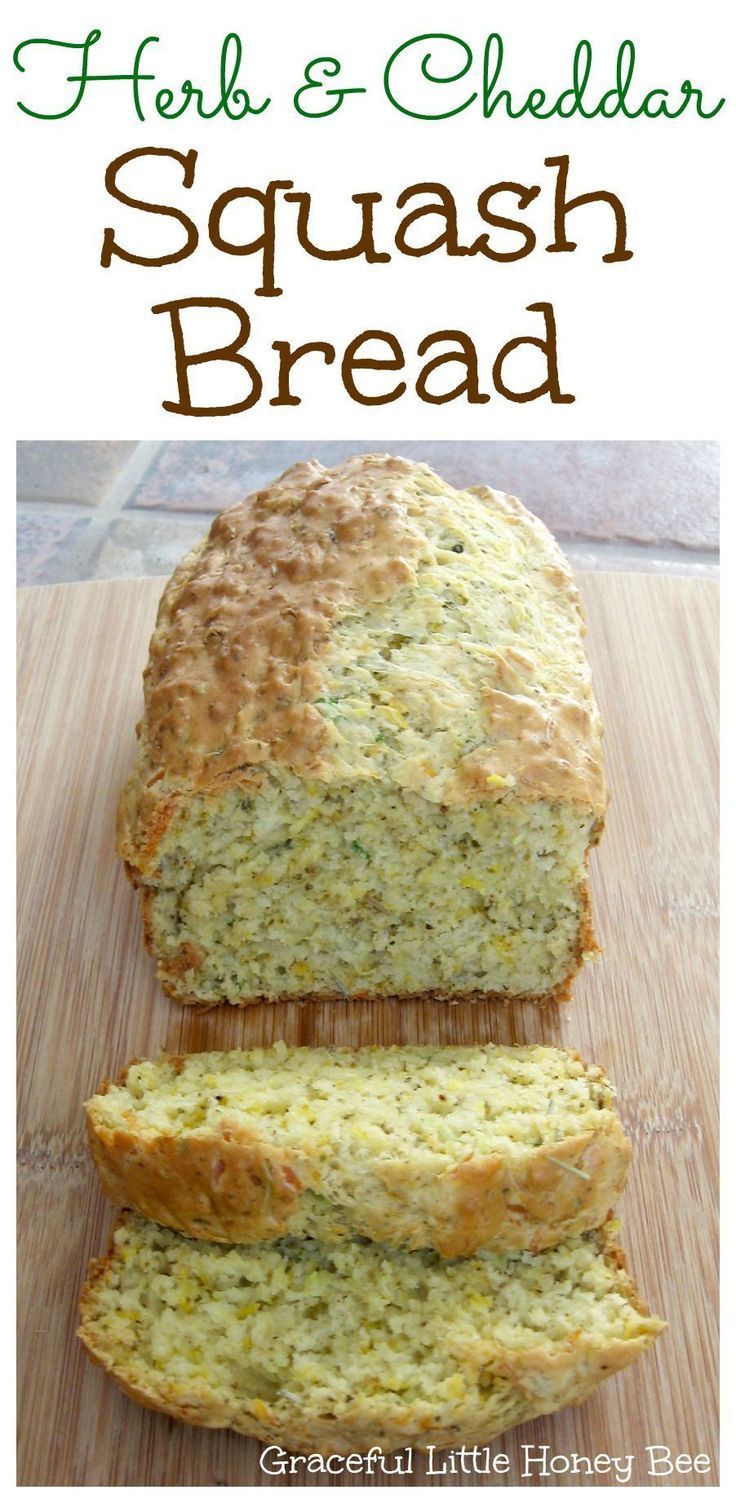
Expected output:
(450, 1148)
(370, 759)
(337, 1349)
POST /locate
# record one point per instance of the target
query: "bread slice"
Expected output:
(336, 1349)
(449, 1148)
(370, 760)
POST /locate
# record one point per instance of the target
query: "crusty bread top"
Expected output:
(369, 621)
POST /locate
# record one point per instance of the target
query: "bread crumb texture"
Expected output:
(370, 759)
(449, 1148)
(340, 1348)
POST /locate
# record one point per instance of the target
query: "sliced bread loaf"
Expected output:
(370, 760)
(448, 1148)
(340, 1348)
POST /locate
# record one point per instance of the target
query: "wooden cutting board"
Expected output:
(89, 1002)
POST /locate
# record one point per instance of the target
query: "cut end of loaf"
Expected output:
(312, 890)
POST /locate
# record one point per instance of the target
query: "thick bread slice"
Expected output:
(449, 1148)
(340, 1348)
(370, 761)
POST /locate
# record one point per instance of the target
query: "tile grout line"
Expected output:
(660, 552)
(29, 508)
(124, 483)
(110, 506)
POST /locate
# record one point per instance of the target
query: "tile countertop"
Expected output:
(90, 510)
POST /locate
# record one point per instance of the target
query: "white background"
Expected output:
(639, 343)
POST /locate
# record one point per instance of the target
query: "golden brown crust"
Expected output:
(540, 1380)
(560, 1192)
(219, 1187)
(244, 630)
(233, 668)
(550, 747)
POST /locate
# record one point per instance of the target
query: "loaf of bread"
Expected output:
(448, 1148)
(340, 1348)
(370, 760)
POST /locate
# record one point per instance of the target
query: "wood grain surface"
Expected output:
(89, 1002)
